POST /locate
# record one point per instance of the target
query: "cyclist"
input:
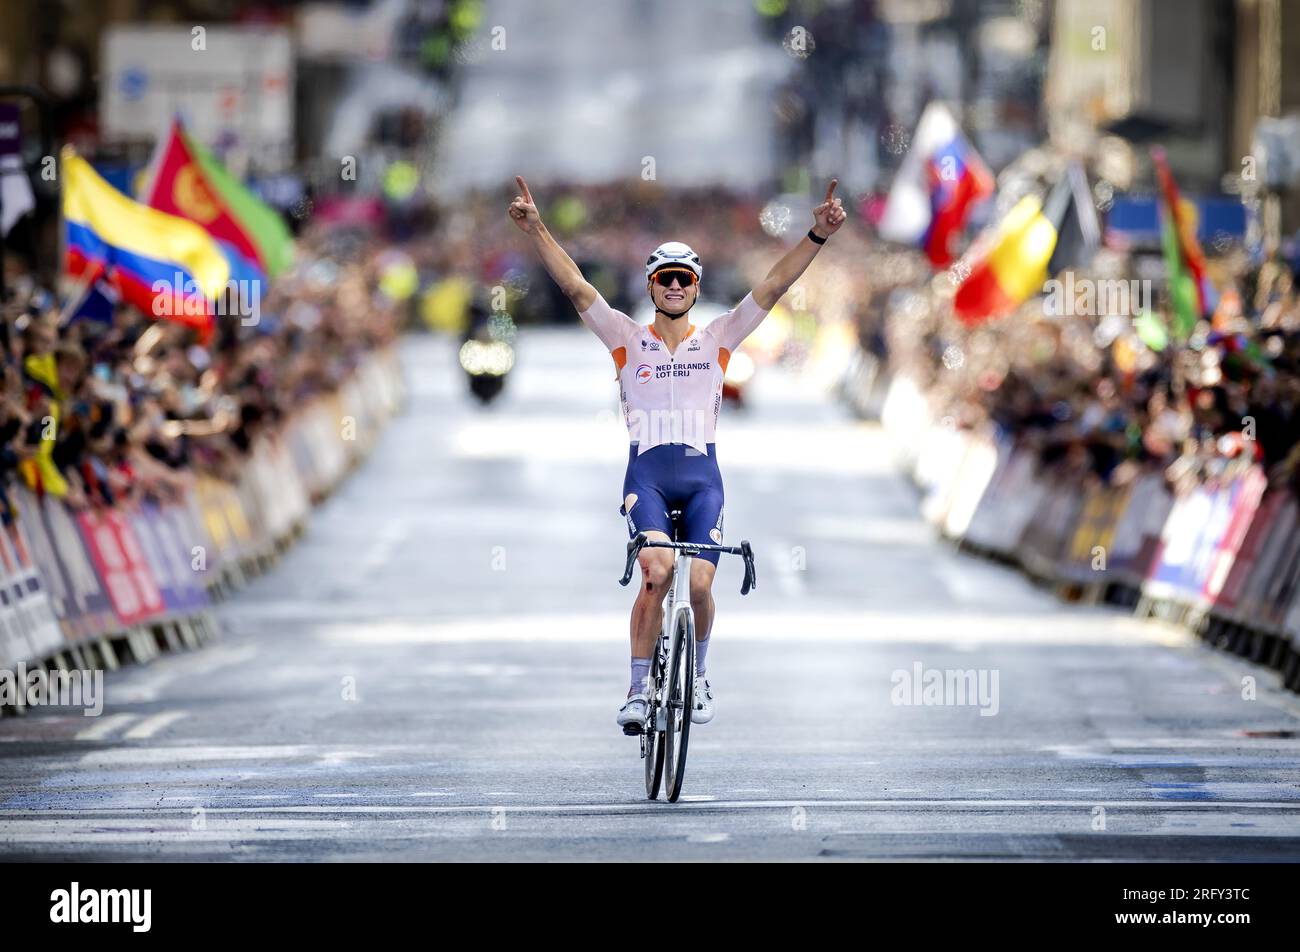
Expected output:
(670, 381)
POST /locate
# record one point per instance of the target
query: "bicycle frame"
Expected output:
(679, 595)
(676, 602)
(678, 599)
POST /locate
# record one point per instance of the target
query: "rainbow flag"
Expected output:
(1183, 258)
(187, 180)
(165, 266)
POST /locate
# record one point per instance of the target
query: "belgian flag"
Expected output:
(1035, 240)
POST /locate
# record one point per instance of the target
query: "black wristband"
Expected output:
(815, 237)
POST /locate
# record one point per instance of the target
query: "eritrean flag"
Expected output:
(187, 180)
(165, 266)
(1034, 241)
(941, 178)
(1183, 258)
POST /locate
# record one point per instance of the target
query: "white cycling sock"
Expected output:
(701, 649)
(640, 674)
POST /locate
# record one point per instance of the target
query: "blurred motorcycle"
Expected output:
(486, 355)
(486, 364)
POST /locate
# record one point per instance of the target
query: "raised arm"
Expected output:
(827, 218)
(557, 262)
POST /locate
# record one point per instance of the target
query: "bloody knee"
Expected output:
(656, 569)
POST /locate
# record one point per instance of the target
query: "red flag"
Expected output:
(180, 187)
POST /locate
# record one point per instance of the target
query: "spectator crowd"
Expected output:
(100, 410)
(1099, 397)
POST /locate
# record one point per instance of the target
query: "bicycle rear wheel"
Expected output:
(681, 701)
(654, 750)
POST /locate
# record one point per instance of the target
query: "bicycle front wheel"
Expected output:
(680, 678)
(654, 750)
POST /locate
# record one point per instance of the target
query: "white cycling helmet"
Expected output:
(674, 252)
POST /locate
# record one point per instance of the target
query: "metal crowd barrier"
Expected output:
(1222, 558)
(94, 588)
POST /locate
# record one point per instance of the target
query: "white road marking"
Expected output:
(380, 552)
(233, 796)
(149, 682)
(126, 831)
(179, 755)
(848, 627)
(646, 806)
(708, 838)
(1226, 740)
(106, 726)
(152, 725)
(340, 758)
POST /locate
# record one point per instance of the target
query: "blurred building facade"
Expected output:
(762, 96)
(1201, 78)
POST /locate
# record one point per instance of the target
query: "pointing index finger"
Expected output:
(523, 187)
(830, 189)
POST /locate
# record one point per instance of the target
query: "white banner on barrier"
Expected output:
(1145, 513)
(978, 467)
(29, 601)
(15, 645)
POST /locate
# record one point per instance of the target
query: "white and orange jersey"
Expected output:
(671, 398)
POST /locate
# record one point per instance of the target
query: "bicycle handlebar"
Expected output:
(743, 550)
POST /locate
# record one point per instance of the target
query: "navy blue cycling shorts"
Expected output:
(675, 476)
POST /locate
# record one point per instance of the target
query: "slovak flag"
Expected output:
(940, 179)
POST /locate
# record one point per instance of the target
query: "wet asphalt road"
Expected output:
(433, 673)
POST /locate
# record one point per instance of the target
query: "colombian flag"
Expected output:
(1033, 241)
(165, 266)
(188, 180)
(941, 178)
(1183, 257)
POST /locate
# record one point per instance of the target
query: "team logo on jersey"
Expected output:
(695, 346)
(716, 532)
(644, 373)
(649, 344)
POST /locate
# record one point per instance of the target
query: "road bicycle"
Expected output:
(671, 687)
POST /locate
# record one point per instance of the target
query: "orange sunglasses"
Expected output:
(664, 277)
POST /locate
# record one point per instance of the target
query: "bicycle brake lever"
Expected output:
(633, 548)
(751, 576)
